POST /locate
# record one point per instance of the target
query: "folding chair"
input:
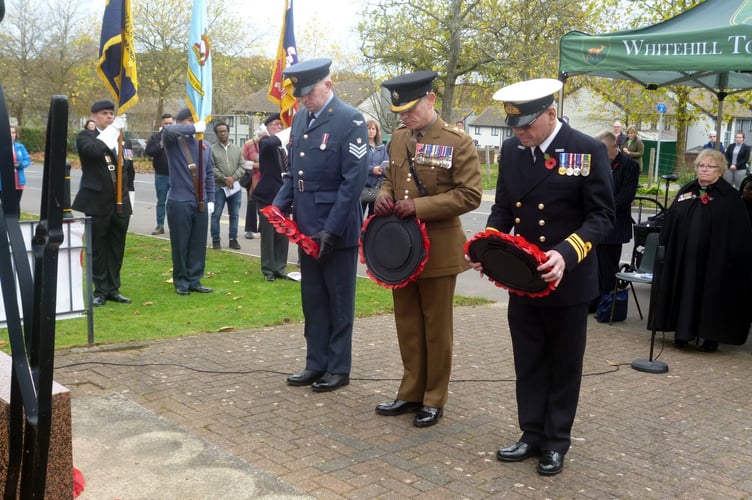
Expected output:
(643, 274)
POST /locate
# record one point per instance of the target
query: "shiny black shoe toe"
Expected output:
(518, 452)
(427, 416)
(331, 382)
(182, 291)
(708, 346)
(551, 463)
(397, 407)
(306, 377)
(201, 289)
(681, 344)
(98, 301)
(116, 297)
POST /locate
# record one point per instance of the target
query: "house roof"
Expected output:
(492, 116)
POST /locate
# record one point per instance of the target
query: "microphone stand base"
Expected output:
(647, 366)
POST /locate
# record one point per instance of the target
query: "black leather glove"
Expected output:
(327, 241)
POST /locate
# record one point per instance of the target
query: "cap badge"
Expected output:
(294, 79)
(511, 109)
(395, 95)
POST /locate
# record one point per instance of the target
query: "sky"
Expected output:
(338, 19)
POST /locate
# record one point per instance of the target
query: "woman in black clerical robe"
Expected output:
(704, 290)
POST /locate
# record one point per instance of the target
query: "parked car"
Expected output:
(137, 143)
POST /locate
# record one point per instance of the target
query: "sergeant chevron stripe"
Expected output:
(358, 151)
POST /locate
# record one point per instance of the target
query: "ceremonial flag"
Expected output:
(280, 91)
(117, 56)
(199, 81)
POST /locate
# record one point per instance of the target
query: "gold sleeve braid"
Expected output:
(582, 248)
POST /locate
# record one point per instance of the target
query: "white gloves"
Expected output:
(110, 135)
(119, 122)
(210, 207)
(200, 126)
(132, 197)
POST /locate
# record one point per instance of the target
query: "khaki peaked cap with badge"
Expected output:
(406, 90)
(447, 165)
(305, 75)
(526, 101)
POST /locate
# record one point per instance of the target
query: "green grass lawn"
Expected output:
(242, 299)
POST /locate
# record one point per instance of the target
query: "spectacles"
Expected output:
(705, 166)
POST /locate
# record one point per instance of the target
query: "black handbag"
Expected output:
(368, 195)
(246, 179)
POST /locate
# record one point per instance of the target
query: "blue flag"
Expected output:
(117, 57)
(199, 81)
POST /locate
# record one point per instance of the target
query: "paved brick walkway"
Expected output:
(685, 434)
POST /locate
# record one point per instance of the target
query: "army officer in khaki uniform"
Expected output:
(434, 174)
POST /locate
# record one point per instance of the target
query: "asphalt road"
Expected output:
(144, 219)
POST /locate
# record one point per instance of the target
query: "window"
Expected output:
(477, 131)
(494, 131)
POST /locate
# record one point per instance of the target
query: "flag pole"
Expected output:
(119, 172)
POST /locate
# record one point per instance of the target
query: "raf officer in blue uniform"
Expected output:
(554, 189)
(187, 218)
(328, 152)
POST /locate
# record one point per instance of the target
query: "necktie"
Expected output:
(537, 153)
(311, 118)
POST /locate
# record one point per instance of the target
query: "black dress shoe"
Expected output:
(397, 407)
(182, 291)
(517, 452)
(681, 344)
(98, 301)
(331, 382)
(708, 346)
(427, 416)
(551, 463)
(306, 377)
(116, 297)
(201, 289)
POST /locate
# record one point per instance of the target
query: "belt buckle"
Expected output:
(192, 167)
(300, 185)
(110, 167)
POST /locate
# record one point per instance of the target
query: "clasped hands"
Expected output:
(385, 206)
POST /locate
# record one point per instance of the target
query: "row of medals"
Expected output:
(574, 164)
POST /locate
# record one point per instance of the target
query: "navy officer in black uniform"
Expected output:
(328, 152)
(554, 189)
(96, 197)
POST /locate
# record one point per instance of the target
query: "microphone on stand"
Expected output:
(651, 365)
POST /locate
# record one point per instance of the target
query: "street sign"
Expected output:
(661, 107)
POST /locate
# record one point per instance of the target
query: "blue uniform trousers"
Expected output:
(328, 293)
(188, 229)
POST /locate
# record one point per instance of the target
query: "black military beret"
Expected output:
(271, 118)
(406, 90)
(102, 105)
(183, 114)
(305, 75)
(525, 101)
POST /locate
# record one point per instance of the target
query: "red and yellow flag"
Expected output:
(280, 89)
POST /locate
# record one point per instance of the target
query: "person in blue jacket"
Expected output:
(328, 151)
(21, 160)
